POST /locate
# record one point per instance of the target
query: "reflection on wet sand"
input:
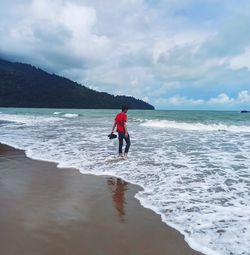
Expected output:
(118, 188)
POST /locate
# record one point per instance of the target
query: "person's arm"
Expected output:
(126, 130)
(113, 129)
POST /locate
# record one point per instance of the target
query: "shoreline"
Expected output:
(50, 210)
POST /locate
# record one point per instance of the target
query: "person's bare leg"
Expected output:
(125, 156)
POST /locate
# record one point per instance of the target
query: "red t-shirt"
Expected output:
(120, 119)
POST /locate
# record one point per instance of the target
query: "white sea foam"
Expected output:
(198, 182)
(28, 119)
(70, 115)
(195, 126)
(57, 113)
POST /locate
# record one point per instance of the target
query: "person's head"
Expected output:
(125, 108)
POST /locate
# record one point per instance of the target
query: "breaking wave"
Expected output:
(195, 126)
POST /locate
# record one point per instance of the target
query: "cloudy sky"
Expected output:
(185, 54)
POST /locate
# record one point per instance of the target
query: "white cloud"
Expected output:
(222, 101)
(60, 29)
(244, 96)
(241, 61)
(178, 102)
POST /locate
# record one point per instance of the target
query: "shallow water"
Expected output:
(194, 166)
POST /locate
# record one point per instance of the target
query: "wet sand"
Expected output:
(48, 211)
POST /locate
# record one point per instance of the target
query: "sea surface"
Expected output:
(194, 166)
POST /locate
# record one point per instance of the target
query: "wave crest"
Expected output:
(70, 115)
(195, 126)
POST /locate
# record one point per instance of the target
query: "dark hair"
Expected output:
(124, 107)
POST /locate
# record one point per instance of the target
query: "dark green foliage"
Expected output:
(23, 85)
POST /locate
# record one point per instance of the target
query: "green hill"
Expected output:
(23, 85)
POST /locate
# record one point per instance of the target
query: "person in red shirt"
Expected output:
(120, 123)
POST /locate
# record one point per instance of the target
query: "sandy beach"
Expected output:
(46, 210)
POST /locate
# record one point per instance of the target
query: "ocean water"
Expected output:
(194, 166)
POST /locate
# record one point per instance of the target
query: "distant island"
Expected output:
(23, 85)
(244, 111)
